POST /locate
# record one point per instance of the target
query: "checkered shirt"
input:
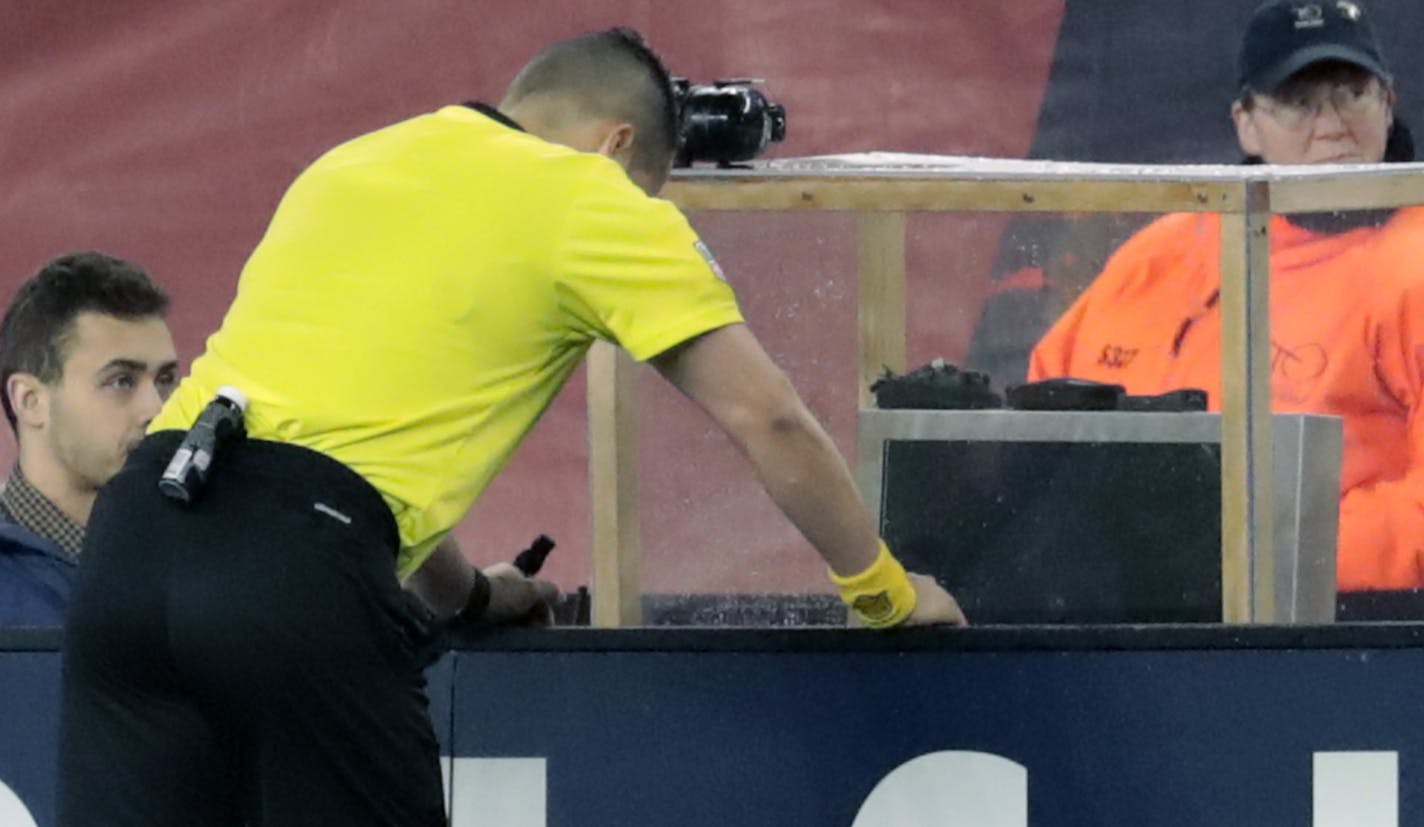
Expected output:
(21, 502)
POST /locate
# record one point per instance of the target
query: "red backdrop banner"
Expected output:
(166, 132)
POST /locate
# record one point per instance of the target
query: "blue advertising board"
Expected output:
(1195, 727)
(29, 687)
(1065, 727)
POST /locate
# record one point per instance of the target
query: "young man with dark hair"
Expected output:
(1347, 289)
(420, 296)
(85, 363)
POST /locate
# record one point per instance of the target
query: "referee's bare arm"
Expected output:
(730, 376)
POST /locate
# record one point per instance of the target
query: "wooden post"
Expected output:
(1247, 551)
(882, 298)
(613, 478)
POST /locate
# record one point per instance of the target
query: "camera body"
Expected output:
(725, 122)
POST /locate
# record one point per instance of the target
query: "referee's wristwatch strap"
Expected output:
(478, 601)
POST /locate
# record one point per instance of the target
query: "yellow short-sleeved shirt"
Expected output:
(424, 291)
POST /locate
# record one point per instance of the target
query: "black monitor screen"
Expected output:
(1060, 532)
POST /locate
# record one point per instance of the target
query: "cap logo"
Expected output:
(1348, 10)
(1309, 16)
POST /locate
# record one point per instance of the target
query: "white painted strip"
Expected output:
(949, 789)
(13, 812)
(1356, 789)
(510, 792)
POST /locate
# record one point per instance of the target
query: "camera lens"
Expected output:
(727, 122)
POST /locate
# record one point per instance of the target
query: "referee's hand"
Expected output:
(933, 605)
(517, 599)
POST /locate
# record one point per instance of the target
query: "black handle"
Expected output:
(530, 560)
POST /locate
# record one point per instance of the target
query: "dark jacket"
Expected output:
(36, 578)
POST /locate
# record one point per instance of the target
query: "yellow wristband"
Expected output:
(882, 594)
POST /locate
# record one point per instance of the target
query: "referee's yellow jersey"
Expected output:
(423, 292)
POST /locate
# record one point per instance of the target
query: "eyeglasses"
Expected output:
(1352, 100)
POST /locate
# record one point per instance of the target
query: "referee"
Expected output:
(421, 294)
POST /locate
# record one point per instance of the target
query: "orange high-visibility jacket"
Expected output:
(1347, 338)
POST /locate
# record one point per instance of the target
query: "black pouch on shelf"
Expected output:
(935, 386)
(1065, 394)
(1175, 401)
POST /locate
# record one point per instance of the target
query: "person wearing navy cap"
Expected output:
(1346, 288)
(1295, 57)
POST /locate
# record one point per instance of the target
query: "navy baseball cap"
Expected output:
(1285, 36)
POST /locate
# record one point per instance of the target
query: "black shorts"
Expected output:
(249, 660)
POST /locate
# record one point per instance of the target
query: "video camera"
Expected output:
(726, 121)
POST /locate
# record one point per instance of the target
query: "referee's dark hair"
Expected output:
(612, 73)
(34, 335)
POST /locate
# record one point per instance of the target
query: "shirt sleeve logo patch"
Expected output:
(707, 257)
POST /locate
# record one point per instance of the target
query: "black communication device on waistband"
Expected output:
(219, 423)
